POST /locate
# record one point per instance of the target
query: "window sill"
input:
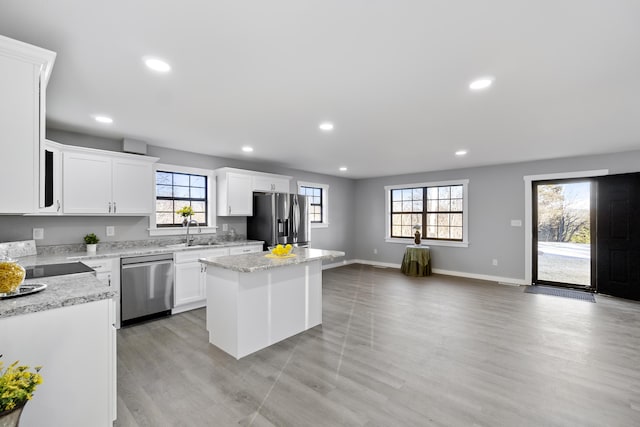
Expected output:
(181, 231)
(319, 225)
(427, 242)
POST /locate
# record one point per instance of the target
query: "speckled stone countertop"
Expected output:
(61, 291)
(249, 263)
(56, 258)
(81, 288)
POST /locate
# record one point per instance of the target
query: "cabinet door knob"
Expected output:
(57, 205)
(229, 208)
(114, 207)
(109, 207)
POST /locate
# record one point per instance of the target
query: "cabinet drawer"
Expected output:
(214, 252)
(190, 256)
(245, 249)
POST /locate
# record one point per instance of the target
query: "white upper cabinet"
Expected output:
(236, 186)
(50, 178)
(234, 195)
(106, 183)
(24, 75)
(132, 186)
(271, 183)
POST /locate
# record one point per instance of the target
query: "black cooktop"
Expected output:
(48, 270)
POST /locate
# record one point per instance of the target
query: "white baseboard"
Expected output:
(501, 280)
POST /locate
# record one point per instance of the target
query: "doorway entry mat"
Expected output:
(560, 292)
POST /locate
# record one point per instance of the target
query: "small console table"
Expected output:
(416, 261)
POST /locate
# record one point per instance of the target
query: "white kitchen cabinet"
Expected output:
(190, 278)
(247, 249)
(25, 71)
(106, 183)
(50, 178)
(76, 347)
(235, 194)
(108, 272)
(271, 183)
(236, 186)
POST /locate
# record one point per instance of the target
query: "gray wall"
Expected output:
(67, 230)
(357, 217)
(496, 195)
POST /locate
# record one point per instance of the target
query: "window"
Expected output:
(438, 210)
(178, 190)
(177, 187)
(317, 196)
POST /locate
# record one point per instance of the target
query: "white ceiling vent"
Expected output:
(134, 146)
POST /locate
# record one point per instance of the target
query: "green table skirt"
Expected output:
(416, 261)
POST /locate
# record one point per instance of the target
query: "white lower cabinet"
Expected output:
(76, 347)
(108, 272)
(190, 278)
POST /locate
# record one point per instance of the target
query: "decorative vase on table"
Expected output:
(91, 248)
(417, 237)
(11, 418)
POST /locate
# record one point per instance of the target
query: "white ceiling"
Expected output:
(392, 75)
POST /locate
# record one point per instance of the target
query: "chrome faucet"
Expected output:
(188, 241)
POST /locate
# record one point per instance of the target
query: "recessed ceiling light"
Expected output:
(103, 119)
(343, 169)
(461, 152)
(247, 149)
(326, 126)
(157, 65)
(481, 84)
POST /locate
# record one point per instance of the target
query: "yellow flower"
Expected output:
(185, 211)
(17, 385)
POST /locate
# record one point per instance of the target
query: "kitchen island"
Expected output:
(254, 301)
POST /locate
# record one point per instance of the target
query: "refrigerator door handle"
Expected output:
(296, 217)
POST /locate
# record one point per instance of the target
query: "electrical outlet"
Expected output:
(494, 262)
(225, 227)
(375, 251)
(38, 233)
(111, 231)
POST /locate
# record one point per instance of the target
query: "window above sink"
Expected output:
(176, 186)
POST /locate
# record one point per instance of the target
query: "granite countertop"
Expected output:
(249, 263)
(61, 291)
(57, 258)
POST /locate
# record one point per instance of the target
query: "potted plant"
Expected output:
(92, 241)
(185, 212)
(17, 385)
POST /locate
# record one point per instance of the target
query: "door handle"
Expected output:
(114, 207)
(109, 207)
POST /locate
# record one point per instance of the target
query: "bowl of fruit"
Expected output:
(280, 250)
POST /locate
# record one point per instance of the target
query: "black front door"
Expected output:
(618, 235)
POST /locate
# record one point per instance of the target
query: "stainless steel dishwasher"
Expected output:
(146, 287)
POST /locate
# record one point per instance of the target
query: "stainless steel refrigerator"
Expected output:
(280, 218)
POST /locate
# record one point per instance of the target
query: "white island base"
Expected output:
(248, 311)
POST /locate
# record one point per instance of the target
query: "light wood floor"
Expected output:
(397, 351)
